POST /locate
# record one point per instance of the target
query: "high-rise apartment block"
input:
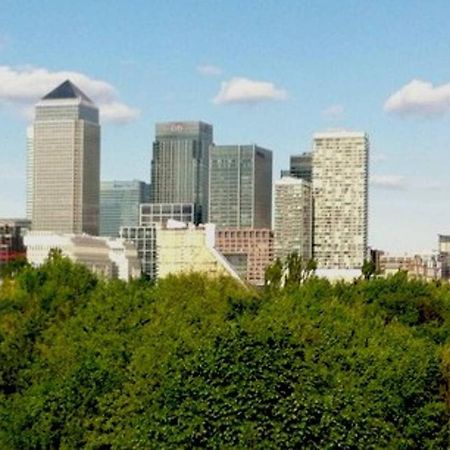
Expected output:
(293, 218)
(240, 186)
(340, 189)
(64, 163)
(119, 204)
(179, 171)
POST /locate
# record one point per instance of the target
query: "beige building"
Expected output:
(426, 267)
(64, 163)
(108, 257)
(340, 191)
(184, 248)
(293, 218)
(249, 251)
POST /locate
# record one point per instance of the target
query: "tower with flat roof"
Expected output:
(179, 171)
(340, 191)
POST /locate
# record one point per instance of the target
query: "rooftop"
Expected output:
(67, 90)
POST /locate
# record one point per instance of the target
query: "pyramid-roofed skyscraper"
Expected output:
(64, 162)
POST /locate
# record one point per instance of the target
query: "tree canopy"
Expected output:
(192, 361)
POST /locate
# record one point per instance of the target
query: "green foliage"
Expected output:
(192, 362)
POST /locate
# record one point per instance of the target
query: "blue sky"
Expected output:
(278, 72)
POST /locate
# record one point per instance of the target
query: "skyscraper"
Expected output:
(300, 166)
(240, 186)
(293, 218)
(65, 163)
(119, 204)
(179, 169)
(340, 189)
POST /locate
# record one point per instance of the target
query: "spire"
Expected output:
(66, 90)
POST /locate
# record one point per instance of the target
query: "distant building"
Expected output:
(293, 218)
(300, 167)
(240, 186)
(144, 239)
(340, 192)
(119, 204)
(444, 254)
(64, 163)
(30, 174)
(185, 248)
(426, 267)
(249, 250)
(11, 239)
(162, 212)
(111, 258)
(179, 172)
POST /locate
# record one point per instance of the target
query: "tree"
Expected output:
(368, 269)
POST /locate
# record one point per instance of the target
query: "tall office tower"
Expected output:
(300, 166)
(240, 186)
(293, 218)
(65, 163)
(30, 157)
(340, 190)
(119, 204)
(180, 165)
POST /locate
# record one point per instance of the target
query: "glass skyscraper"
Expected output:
(240, 186)
(179, 172)
(64, 163)
(119, 204)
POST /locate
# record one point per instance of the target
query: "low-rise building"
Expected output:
(11, 239)
(108, 257)
(144, 239)
(249, 250)
(184, 248)
(161, 212)
(426, 267)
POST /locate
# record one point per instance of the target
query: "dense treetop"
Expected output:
(195, 362)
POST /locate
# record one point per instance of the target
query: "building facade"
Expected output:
(250, 251)
(120, 204)
(162, 212)
(64, 166)
(106, 257)
(293, 218)
(340, 192)
(300, 166)
(240, 186)
(179, 170)
(185, 248)
(11, 239)
(144, 239)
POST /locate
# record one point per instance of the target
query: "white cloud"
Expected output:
(243, 90)
(333, 112)
(209, 70)
(392, 182)
(419, 98)
(24, 86)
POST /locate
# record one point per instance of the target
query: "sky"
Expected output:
(267, 72)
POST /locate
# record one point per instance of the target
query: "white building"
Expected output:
(112, 258)
(64, 163)
(293, 218)
(340, 191)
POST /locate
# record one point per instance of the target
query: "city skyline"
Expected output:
(284, 77)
